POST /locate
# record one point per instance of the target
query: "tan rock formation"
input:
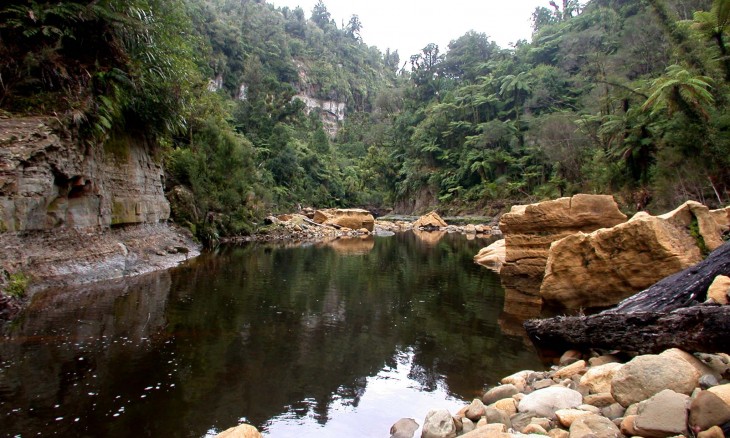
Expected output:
(530, 229)
(719, 289)
(608, 265)
(241, 431)
(49, 181)
(492, 257)
(353, 245)
(351, 218)
(429, 220)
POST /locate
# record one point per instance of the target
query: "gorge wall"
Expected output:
(81, 211)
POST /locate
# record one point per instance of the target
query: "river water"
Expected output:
(327, 340)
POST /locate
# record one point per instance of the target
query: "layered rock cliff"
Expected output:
(74, 211)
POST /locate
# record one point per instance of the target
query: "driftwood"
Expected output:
(665, 315)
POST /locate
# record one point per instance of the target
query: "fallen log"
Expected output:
(665, 315)
(698, 328)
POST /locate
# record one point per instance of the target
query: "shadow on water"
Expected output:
(277, 337)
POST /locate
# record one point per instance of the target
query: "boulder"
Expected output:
(351, 218)
(645, 376)
(570, 357)
(241, 431)
(722, 218)
(403, 428)
(571, 370)
(720, 290)
(594, 426)
(506, 405)
(566, 417)
(545, 402)
(475, 410)
(722, 391)
(558, 433)
(492, 257)
(494, 415)
(530, 229)
(696, 363)
(429, 221)
(533, 428)
(498, 393)
(602, 268)
(598, 378)
(707, 410)
(600, 400)
(663, 415)
(713, 432)
(438, 424)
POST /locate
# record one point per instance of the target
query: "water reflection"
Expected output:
(296, 341)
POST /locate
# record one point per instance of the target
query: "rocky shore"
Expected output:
(315, 225)
(671, 394)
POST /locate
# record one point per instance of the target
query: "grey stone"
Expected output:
(495, 415)
(645, 376)
(663, 415)
(498, 393)
(403, 428)
(438, 424)
(707, 410)
(545, 402)
(613, 411)
(594, 426)
(475, 410)
(708, 381)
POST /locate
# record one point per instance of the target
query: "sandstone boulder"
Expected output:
(602, 268)
(722, 218)
(429, 221)
(499, 392)
(530, 229)
(492, 257)
(351, 218)
(438, 424)
(545, 402)
(241, 431)
(404, 428)
(719, 290)
(647, 375)
(722, 391)
(571, 370)
(475, 410)
(594, 426)
(707, 410)
(598, 378)
(663, 415)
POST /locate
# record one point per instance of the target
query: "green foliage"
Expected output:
(616, 97)
(17, 285)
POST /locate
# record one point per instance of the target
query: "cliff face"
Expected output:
(48, 182)
(63, 204)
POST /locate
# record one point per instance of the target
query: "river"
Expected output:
(327, 340)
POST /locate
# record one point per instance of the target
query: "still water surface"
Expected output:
(325, 340)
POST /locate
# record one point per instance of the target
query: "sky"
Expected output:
(409, 25)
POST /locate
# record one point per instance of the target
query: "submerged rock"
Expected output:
(493, 256)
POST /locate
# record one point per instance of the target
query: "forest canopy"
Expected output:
(257, 109)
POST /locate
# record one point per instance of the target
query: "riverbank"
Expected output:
(596, 395)
(72, 256)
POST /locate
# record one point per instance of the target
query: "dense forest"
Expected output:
(255, 109)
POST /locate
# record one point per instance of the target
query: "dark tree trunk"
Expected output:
(657, 318)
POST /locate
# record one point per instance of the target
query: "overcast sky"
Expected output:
(409, 25)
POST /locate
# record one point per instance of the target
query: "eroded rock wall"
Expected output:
(49, 180)
(62, 202)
